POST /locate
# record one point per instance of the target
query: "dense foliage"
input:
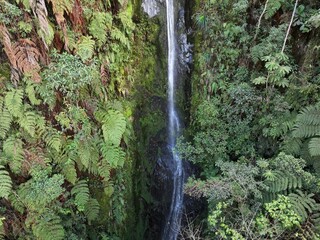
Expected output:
(254, 129)
(65, 126)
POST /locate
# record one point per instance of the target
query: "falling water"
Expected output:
(174, 216)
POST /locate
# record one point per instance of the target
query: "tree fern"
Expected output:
(92, 209)
(48, 227)
(5, 183)
(13, 101)
(5, 119)
(85, 48)
(114, 125)
(81, 193)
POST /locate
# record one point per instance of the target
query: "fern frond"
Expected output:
(81, 193)
(31, 93)
(99, 25)
(104, 170)
(114, 125)
(306, 131)
(5, 183)
(13, 149)
(115, 156)
(272, 7)
(52, 138)
(46, 32)
(69, 172)
(2, 232)
(303, 204)
(5, 119)
(28, 122)
(27, 58)
(13, 102)
(116, 34)
(314, 147)
(309, 116)
(85, 48)
(92, 209)
(48, 227)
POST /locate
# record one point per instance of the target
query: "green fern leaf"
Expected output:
(85, 48)
(305, 131)
(52, 138)
(69, 172)
(314, 147)
(27, 121)
(114, 125)
(92, 209)
(30, 91)
(115, 156)
(309, 116)
(272, 7)
(48, 227)
(104, 170)
(13, 149)
(13, 101)
(99, 25)
(5, 183)
(5, 119)
(81, 193)
(116, 34)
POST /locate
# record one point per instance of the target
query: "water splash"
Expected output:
(172, 226)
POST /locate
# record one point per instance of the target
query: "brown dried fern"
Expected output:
(23, 56)
(60, 7)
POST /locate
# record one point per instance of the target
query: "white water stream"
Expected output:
(172, 226)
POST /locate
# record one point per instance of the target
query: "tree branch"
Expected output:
(288, 31)
(260, 19)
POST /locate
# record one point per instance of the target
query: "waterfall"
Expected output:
(172, 225)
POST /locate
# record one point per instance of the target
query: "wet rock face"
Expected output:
(151, 7)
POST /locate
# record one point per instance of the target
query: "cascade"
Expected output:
(173, 219)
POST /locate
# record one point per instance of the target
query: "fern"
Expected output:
(69, 171)
(314, 147)
(13, 149)
(5, 183)
(114, 125)
(52, 138)
(48, 227)
(115, 156)
(308, 126)
(116, 34)
(85, 48)
(13, 101)
(273, 7)
(81, 193)
(30, 91)
(5, 119)
(46, 32)
(92, 209)
(2, 232)
(99, 25)
(28, 122)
